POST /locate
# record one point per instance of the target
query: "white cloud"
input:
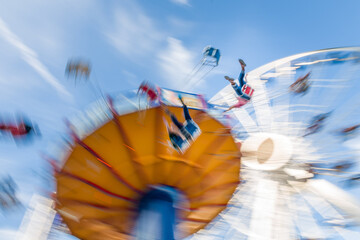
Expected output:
(176, 62)
(183, 2)
(136, 36)
(134, 33)
(31, 58)
(180, 26)
(8, 234)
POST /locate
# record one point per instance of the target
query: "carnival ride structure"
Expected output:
(290, 184)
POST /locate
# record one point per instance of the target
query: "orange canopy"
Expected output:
(105, 174)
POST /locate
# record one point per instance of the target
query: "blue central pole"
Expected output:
(157, 215)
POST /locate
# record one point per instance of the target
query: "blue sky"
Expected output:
(130, 41)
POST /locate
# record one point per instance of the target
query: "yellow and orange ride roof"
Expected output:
(106, 173)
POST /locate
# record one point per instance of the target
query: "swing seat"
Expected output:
(211, 56)
(179, 143)
(191, 130)
(247, 90)
(149, 91)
